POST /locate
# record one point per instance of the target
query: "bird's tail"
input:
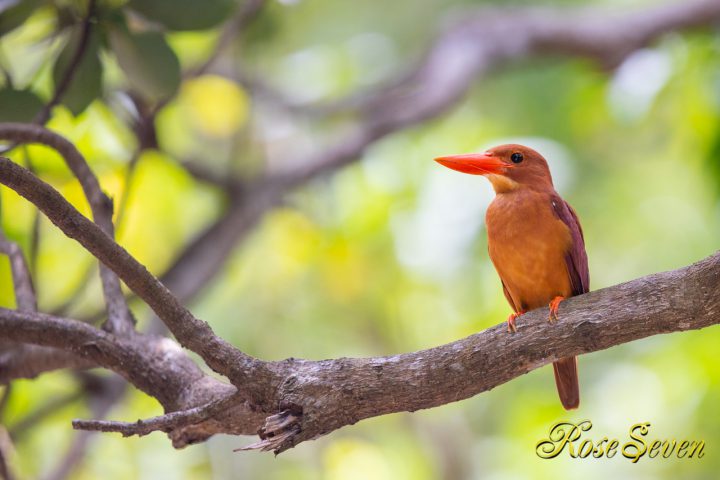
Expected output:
(566, 379)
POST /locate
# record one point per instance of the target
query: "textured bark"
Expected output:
(313, 398)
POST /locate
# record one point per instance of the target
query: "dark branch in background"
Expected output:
(103, 394)
(246, 12)
(6, 447)
(22, 427)
(467, 50)
(75, 61)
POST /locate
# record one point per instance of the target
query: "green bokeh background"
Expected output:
(389, 255)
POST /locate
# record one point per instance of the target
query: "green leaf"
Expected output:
(86, 81)
(14, 12)
(151, 66)
(19, 105)
(184, 14)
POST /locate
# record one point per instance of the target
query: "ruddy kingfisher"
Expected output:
(535, 240)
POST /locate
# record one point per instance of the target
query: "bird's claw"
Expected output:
(554, 307)
(511, 321)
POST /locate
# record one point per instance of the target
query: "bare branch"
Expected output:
(246, 12)
(192, 333)
(155, 365)
(28, 361)
(22, 282)
(165, 423)
(120, 319)
(334, 393)
(44, 115)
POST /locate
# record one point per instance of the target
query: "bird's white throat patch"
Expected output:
(501, 183)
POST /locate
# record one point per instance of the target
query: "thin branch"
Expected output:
(192, 333)
(22, 282)
(245, 14)
(155, 365)
(120, 318)
(44, 115)
(164, 423)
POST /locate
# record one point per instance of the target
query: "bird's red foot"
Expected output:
(554, 306)
(511, 321)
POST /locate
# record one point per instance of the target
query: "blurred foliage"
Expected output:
(387, 256)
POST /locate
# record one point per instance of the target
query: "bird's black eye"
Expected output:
(516, 157)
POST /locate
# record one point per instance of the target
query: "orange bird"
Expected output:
(535, 240)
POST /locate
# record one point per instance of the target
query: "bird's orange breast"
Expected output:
(528, 243)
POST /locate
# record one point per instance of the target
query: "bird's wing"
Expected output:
(509, 298)
(576, 258)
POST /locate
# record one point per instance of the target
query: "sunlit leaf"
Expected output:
(18, 105)
(184, 14)
(14, 12)
(86, 81)
(217, 107)
(151, 66)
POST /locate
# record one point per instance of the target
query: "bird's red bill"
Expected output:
(474, 163)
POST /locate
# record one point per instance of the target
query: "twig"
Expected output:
(44, 115)
(164, 423)
(244, 15)
(24, 291)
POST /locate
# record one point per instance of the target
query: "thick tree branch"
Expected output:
(29, 361)
(318, 397)
(155, 365)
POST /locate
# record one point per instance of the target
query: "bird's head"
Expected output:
(508, 167)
